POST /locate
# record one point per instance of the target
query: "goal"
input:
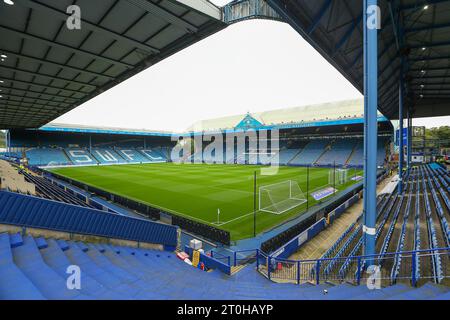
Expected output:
(280, 197)
(338, 177)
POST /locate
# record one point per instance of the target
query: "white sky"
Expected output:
(248, 67)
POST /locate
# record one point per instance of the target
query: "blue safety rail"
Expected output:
(221, 257)
(312, 270)
(28, 211)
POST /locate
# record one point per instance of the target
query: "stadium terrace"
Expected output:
(325, 201)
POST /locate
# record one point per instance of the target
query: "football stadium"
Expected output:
(340, 200)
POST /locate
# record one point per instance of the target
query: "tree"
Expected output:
(441, 134)
(2, 139)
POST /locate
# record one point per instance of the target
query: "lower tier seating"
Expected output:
(82, 156)
(417, 219)
(45, 189)
(36, 268)
(46, 157)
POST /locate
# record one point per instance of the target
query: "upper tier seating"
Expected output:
(357, 157)
(310, 153)
(46, 189)
(381, 152)
(339, 152)
(13, 155)
(46, 157)
(284, 156)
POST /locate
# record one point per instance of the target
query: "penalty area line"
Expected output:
(237, 218)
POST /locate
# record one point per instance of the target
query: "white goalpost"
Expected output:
(338, 177)
(280, 197)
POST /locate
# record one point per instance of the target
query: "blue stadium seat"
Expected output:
(80, 156)
(310, 154)
(47, 157)
(120, 272)
(338, 153)
(107, 156)
(131, 155)
(14, 284)
(152, 155)
(52, 286)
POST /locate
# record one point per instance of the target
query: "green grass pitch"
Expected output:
(196, 191)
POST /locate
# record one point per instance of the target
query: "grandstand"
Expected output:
(414, 221)
(337, 143)
(339, 152)
(109, 202)
(318, 145)
(326, 142)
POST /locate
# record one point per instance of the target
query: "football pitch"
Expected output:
(198, 191)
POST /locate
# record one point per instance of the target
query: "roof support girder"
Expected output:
(46, 106)
(87, 25)
(319, 16)
(431, 45)
(418, 5)
(152, 8)
(42, 75)
(54, 64)
(427, 28)
(36, 99)
(67, 48)
(347, 35)
(62, 89)
(71, 100)
(433, 58)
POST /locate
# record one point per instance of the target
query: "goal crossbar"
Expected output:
(280, 197)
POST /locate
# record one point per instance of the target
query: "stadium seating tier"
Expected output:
(119, 272)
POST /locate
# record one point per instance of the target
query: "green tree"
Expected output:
(442, 134)
(2, 139)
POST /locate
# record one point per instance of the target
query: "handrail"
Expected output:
(350, 257)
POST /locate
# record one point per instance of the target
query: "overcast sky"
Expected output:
(248, 67)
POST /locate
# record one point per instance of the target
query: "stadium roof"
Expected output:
(46, 69)
(417, 30)
(325, 114)
(76, 128)
(331, 113)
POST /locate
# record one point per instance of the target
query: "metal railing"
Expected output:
(221, 257)
(244, 256)
(358, 269)
(413, 267)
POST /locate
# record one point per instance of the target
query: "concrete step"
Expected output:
(427, 291)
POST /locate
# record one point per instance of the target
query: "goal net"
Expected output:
(280, 197)
(338, 177)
